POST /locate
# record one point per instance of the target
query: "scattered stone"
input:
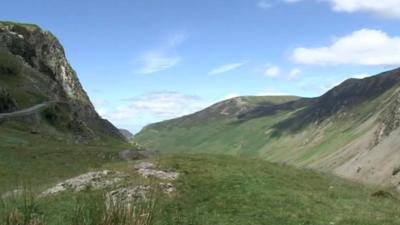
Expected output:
(145, 165)
(147, 170)
(167, 188)
(98, 180)
(158, 174)
(92, 180)
(128, 195)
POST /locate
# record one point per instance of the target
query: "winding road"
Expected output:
(27, 111)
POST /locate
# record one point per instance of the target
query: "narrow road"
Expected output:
(26, 111)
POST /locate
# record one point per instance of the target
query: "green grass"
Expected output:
(258, 136)
(17, 78)
(230, 190)
(89, 208)
(50, 155)
(227, 190)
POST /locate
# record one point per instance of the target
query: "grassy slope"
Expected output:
(222, 135)
(259, 137)
(216, 189)
(16, 78)
(48, 156)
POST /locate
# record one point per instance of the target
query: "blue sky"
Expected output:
(151, 60)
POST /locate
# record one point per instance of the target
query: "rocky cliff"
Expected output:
(34, 69)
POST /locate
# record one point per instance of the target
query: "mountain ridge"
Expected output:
(338, 132)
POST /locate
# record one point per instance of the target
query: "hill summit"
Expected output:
(352, 130)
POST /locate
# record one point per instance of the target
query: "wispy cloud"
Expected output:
(264, 4)
(277, 72)
(150, 107)
(153, 63)
(162, 58)
(227, 67)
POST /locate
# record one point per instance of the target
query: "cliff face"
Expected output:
(34, 69)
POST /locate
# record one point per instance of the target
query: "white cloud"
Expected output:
(272, 71)
(162, 58)
(384, 8)
(362, 47)
(153, 63)
(152, 107)
(230, 95)
(226, 68)
(360, 76)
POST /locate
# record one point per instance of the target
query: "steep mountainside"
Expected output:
(34, 70)
(352, 130)
(49, 129)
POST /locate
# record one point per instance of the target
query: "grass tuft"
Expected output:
(22, 208)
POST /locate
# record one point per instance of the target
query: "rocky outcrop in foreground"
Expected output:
(118, 182)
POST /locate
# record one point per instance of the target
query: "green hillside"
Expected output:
(328, 133)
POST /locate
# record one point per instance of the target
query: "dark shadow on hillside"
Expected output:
(350, 93)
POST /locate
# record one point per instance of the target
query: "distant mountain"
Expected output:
(34, 71)
(127, 134)
(352, 130)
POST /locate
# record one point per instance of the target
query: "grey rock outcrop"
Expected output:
(150, 170)
(44, 74)
(88, 181)
(128, 195)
